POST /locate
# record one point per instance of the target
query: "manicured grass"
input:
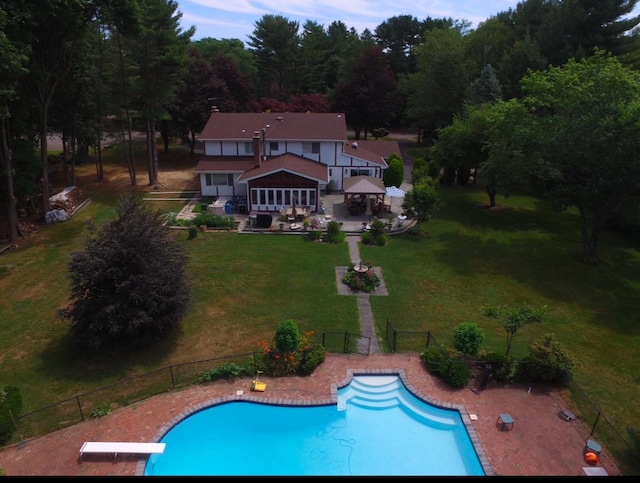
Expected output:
(245, 285)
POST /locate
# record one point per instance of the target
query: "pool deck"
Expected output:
(540, 443)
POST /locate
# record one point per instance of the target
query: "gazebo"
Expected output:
(364, 195)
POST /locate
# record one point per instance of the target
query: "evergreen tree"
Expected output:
(129, 285)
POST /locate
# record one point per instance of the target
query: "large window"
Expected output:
(272, 199)
(218, 179)
(313, 148)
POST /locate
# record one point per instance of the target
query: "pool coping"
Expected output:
(241, 396)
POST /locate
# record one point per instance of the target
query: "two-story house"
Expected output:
(276, 160)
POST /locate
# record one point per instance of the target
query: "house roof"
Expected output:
(364, 185)
(285, 162)
(288, 162)
(278, 126)
(371, 151)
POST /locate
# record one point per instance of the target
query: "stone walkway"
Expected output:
(367, 326)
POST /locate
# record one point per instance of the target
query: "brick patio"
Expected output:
(540, 444)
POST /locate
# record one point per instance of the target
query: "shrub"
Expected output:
(214, 221)
(457, 374)
(311, 358)
(287, 336)
(10, 408)
(313, 235)
(435, 358)
(441, 364)
(292, 352)
(467, 338)
(101, 411)
(547, 362)
(227, 370)
(376, 235)
(416, 231)
(334, 232)
(193, 232)
(394, 174)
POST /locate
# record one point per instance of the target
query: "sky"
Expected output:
(227, 19)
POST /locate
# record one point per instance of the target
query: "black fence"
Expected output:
(78, 408)
(626, 448)
(74, 410)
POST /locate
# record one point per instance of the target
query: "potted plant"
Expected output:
(389, 222)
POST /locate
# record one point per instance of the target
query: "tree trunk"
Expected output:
(491, 191)
(128, 142)
(192, 144)
(5, 163)
(152, 153)
(44, 157)
(590, 241)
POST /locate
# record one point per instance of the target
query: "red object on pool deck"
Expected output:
(591, 458)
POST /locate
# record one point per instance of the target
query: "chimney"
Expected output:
(256, 149)
(354, 145)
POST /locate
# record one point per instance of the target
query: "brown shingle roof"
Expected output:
(372, 151)
(283, 126)
(291, 163)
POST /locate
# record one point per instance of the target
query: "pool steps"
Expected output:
(387, 392)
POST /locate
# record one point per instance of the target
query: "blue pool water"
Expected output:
(378, 428)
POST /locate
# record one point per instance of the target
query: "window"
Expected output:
(274, 146)
(248, 148)
(360, 172)
(313, 148)
(218, 179)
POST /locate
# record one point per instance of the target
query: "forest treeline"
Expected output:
(87, 68)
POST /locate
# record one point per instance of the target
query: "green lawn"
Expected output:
(245, 285)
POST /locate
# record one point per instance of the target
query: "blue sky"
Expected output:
(225, 19)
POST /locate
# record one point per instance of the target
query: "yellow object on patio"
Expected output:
(258, 386)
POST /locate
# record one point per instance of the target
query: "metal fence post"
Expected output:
(394, 345)
(80, 408)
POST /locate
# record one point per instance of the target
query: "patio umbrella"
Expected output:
(395, 192)
(368, 213)
(294, 212)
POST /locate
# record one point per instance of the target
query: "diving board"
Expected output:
(94, 447)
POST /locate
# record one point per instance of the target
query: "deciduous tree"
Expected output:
(575, 140)
(369, 98)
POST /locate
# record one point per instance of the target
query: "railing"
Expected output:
(76, 409)
(627, 454)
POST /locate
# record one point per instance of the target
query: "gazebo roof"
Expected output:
(364, 185)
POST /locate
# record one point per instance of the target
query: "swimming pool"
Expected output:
(377, 428)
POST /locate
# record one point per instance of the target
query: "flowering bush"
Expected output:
(301, 360)
(366, 281)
